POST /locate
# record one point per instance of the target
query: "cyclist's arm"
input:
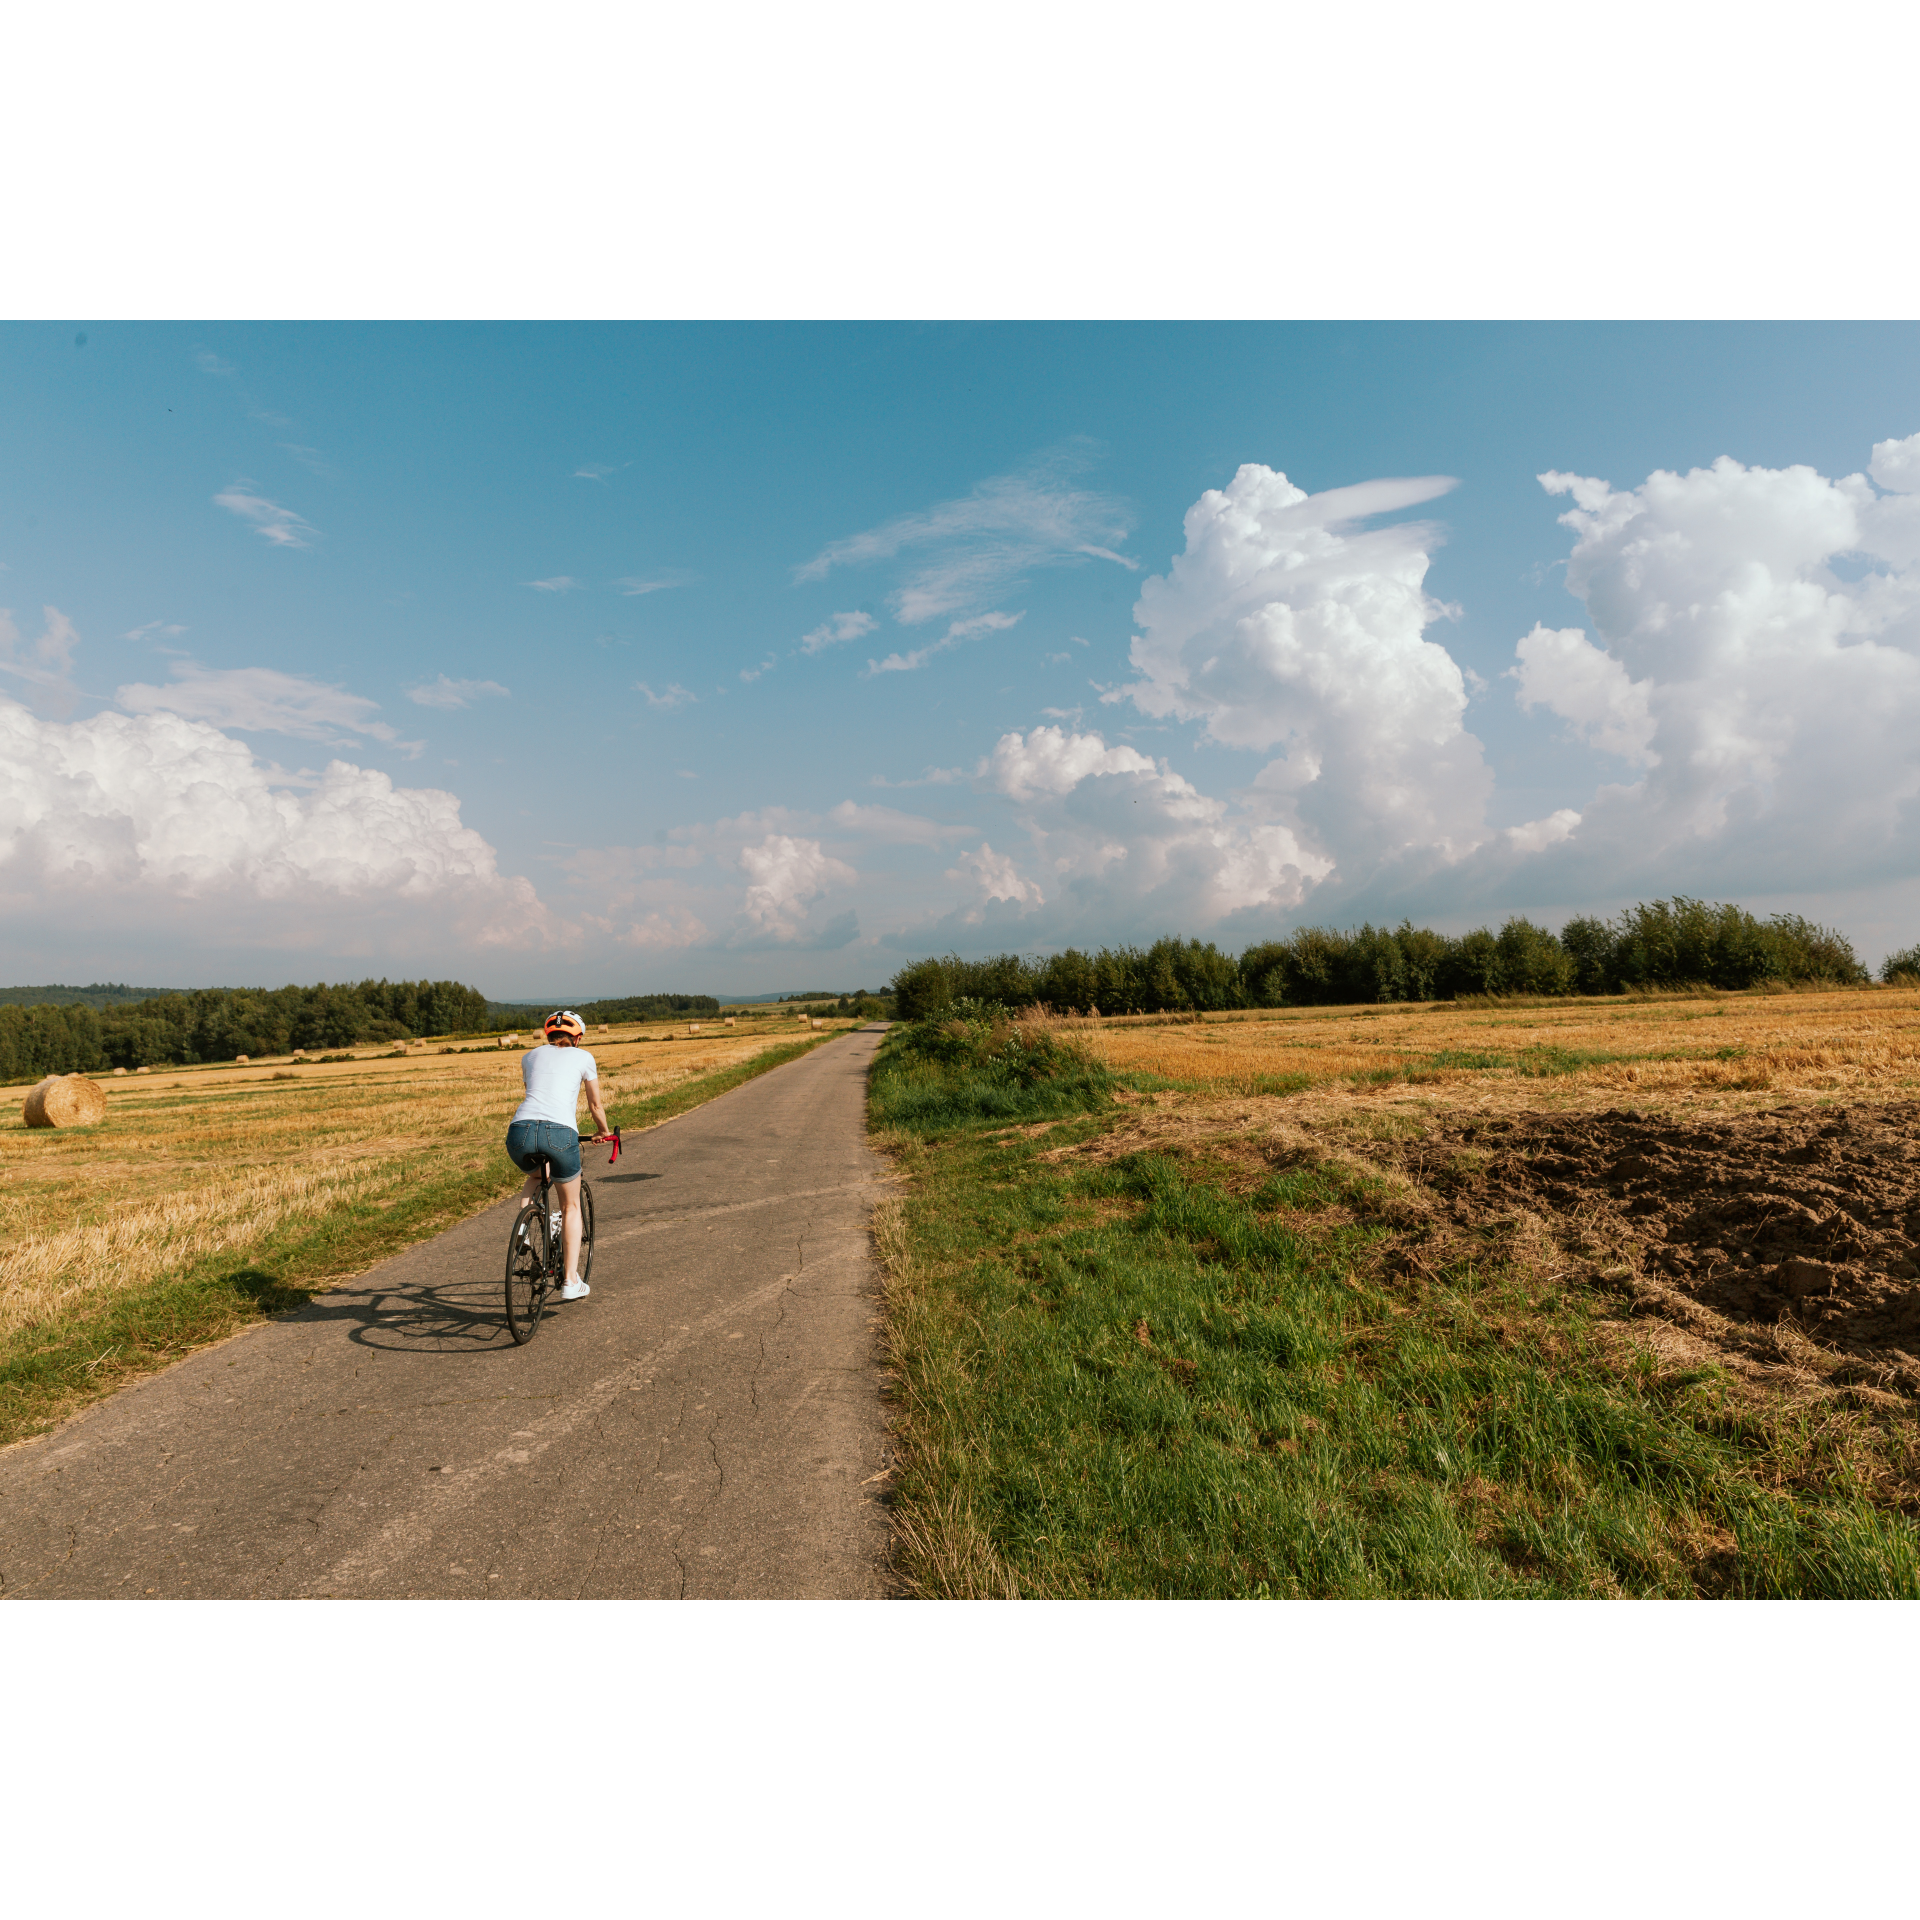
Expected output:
(591, 1088)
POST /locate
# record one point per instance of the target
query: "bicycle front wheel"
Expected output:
(526, 1275)
(586, 1230)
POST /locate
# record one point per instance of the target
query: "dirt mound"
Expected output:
(1811, 1217)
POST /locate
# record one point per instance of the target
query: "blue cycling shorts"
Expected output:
(527, 1140)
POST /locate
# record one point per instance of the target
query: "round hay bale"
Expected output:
(143, 1069)
(65, 1100)
(118, 1072)
(239, 1059)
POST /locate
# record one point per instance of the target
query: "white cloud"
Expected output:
(1563, 671)
(785, 874)
(839, 627)
(1775, 700)
(1896, 464)
(972, 550)
(450, 694)
(272, 522)
(560, 583)
(674, 696)
(212, 363)
(1287, 623)
(633, 584)
(997, 877)
(766, 666)
(960, 631)
(309, 457)
(123, 824)
(1134, 845)
(45, 663)
(154, 626)
(1052, 762)
(261, 700)
(593, 472)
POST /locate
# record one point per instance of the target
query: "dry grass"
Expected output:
(207, 1161)
(1706, 1052)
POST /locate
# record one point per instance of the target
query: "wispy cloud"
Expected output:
(933, 777)
(155, 627)
(598, 472)
(449, 694)
(560, 583)
(632, 584)
(751, 674)
(832, 631)
(669, 698)
(309, 457)
(263, 700)
(45, 663)
(976, 548)
(212, 363)
(960, 630)
(271, 521)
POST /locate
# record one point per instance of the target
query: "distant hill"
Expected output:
(95, 996)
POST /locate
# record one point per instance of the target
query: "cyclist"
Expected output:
(545, 1123)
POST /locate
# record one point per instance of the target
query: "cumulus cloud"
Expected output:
(1562, 670)
(997, 877)
(1773, 696)
(451, 694)
(963, 553)
(1131, 843)
(261, 700)
(1289, 623)
(839, 627)
(961, 630)
(785, 874)
(278, 525)
(124, 822)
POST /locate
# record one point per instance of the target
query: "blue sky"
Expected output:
(739, 657)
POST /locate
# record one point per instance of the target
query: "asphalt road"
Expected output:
(707, 1425)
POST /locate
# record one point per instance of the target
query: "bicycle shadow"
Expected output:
(616, 1179)
(464, 1315)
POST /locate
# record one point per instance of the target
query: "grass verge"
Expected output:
(51, 1368)
(1196, 1373)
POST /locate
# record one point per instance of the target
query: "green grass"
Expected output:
(1151, 1378)
(51, 1369)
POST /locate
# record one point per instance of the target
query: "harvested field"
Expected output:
(1711, 1202)
(1731, 1050)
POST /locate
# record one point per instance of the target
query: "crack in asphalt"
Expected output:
(408, 1533)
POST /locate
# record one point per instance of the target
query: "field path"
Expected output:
(707, 1425)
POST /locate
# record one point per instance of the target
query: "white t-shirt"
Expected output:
(553, 1076)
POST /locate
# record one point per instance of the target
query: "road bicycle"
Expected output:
(537, 1250)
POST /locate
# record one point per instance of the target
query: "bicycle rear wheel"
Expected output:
(586, 1230)
(526, 1275)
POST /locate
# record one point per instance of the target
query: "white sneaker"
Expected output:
(573, 1290)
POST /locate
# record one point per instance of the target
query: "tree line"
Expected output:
(1664, 943)
(216, 1023)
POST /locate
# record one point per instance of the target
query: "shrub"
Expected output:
(1905, 964)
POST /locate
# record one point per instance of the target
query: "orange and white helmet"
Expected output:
(563, 1022)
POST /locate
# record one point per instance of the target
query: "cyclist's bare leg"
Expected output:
(569, 1196)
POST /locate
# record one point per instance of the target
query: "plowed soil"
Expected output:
(1810, 1218)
